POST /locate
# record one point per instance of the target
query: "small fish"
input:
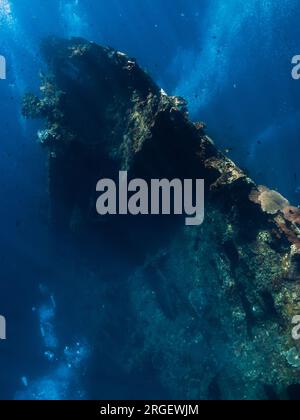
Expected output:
(24, 381)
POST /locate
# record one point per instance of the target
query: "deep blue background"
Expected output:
(230, 59)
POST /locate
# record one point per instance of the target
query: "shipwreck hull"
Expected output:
(210, 308)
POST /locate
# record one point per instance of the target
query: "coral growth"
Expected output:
(286, 217)
(271, 201)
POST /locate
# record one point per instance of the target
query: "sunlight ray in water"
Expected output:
(73, 17)
(222, 47)
(6, 15)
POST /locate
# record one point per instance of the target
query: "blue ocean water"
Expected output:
(230, 59)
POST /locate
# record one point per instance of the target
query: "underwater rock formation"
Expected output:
(211, 306)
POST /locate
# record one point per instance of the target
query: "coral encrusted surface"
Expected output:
(210, 308)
